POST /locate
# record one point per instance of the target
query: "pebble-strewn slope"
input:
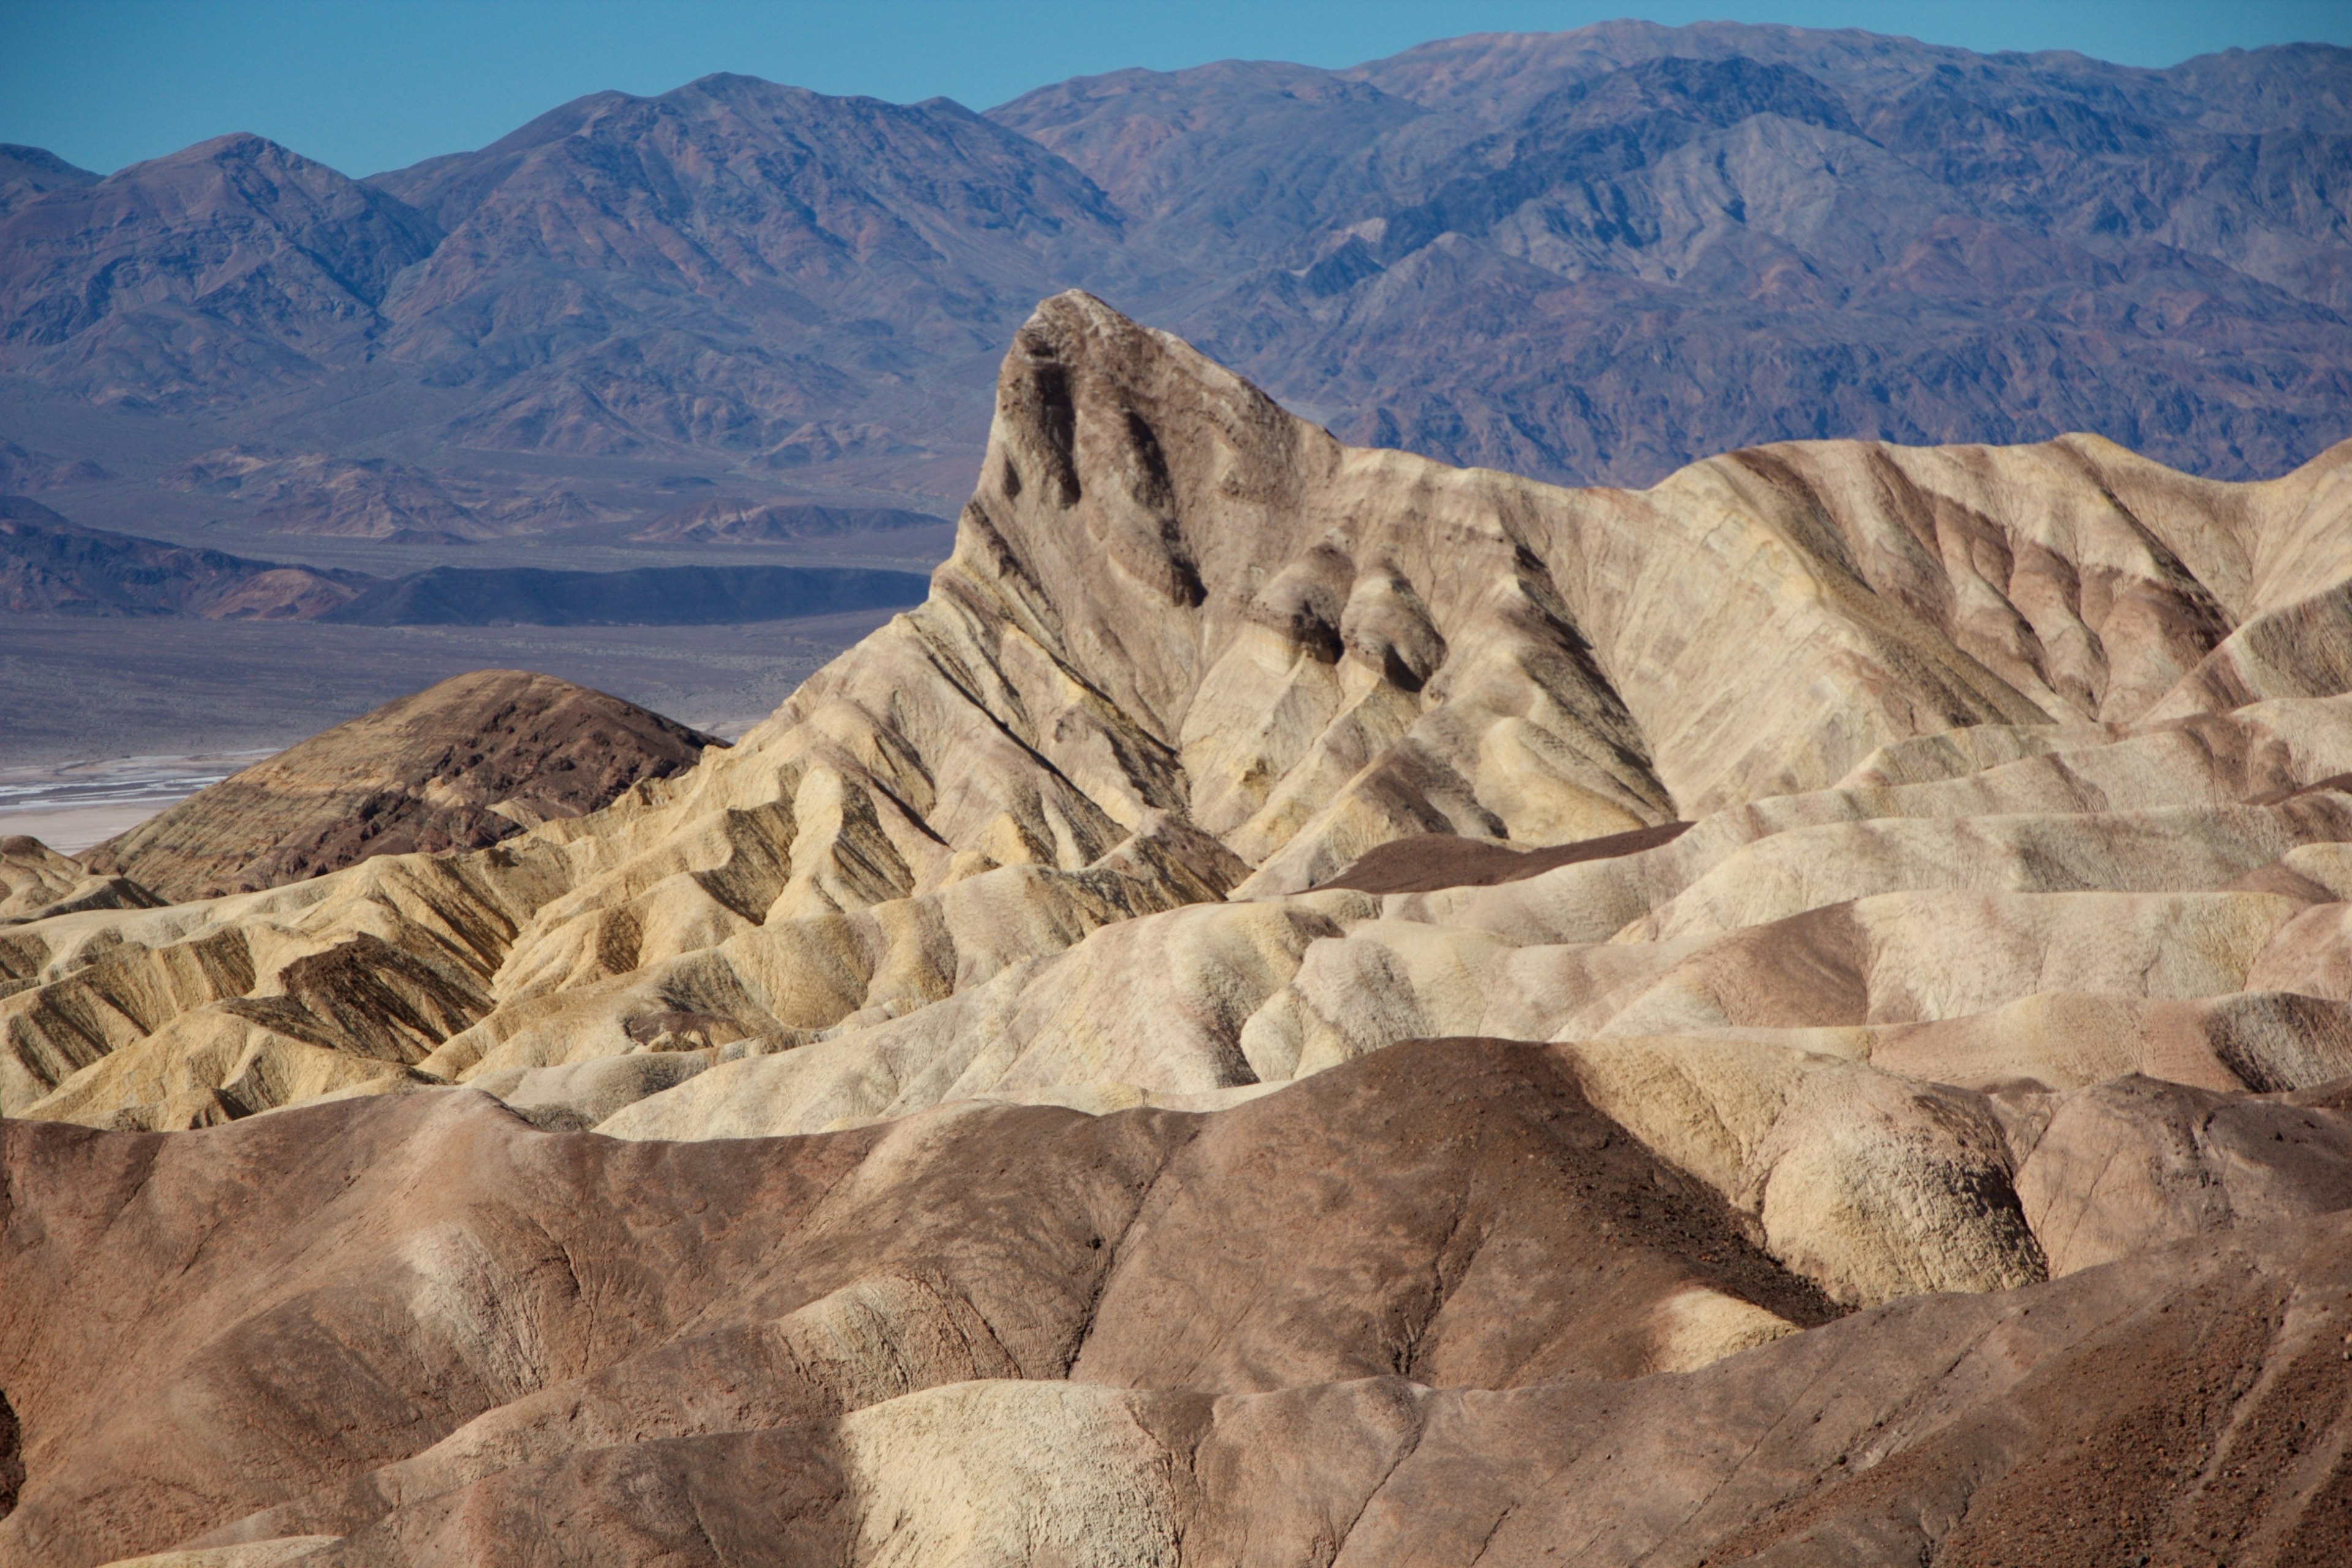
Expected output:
(938, 1032)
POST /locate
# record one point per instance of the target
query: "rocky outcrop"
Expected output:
(1301, 991)
(1917, 702)
(462, 764)
(36, 882)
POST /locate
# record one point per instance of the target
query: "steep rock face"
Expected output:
(460, 765)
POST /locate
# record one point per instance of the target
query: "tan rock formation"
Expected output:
(36, 882)
(1189, 648)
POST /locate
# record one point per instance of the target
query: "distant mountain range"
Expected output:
(1589, 256)
(49, 565)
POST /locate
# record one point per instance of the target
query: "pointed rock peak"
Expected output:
(235, 147)
(1143, 443)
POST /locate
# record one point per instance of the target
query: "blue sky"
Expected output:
(366, 85)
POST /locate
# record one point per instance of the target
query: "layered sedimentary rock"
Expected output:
(1880, 914)
(36, 882)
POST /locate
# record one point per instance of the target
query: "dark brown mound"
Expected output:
(282, 1315)
(2191, 1405)
(1433, 861)
(421, 773)
(1386, 1315)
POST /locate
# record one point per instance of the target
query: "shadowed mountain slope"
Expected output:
(200, 279)
(1598, 254)
(1305, 1005)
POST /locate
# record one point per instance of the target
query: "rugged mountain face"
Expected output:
(200, 279)
(51, 566)
(459, 766)
(1598, 254)
(728, 263)
(1586, 256)
(1100, 1076)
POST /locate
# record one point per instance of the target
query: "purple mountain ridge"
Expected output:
(1589, 256)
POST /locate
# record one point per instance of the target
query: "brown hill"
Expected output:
(457, 766)
(1433, 1307)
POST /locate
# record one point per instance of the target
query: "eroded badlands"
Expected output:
(1305, 1007)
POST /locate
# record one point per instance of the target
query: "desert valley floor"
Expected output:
(1305, 1007)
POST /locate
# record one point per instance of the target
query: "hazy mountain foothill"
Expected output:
(1618, 829)
(49, 566)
